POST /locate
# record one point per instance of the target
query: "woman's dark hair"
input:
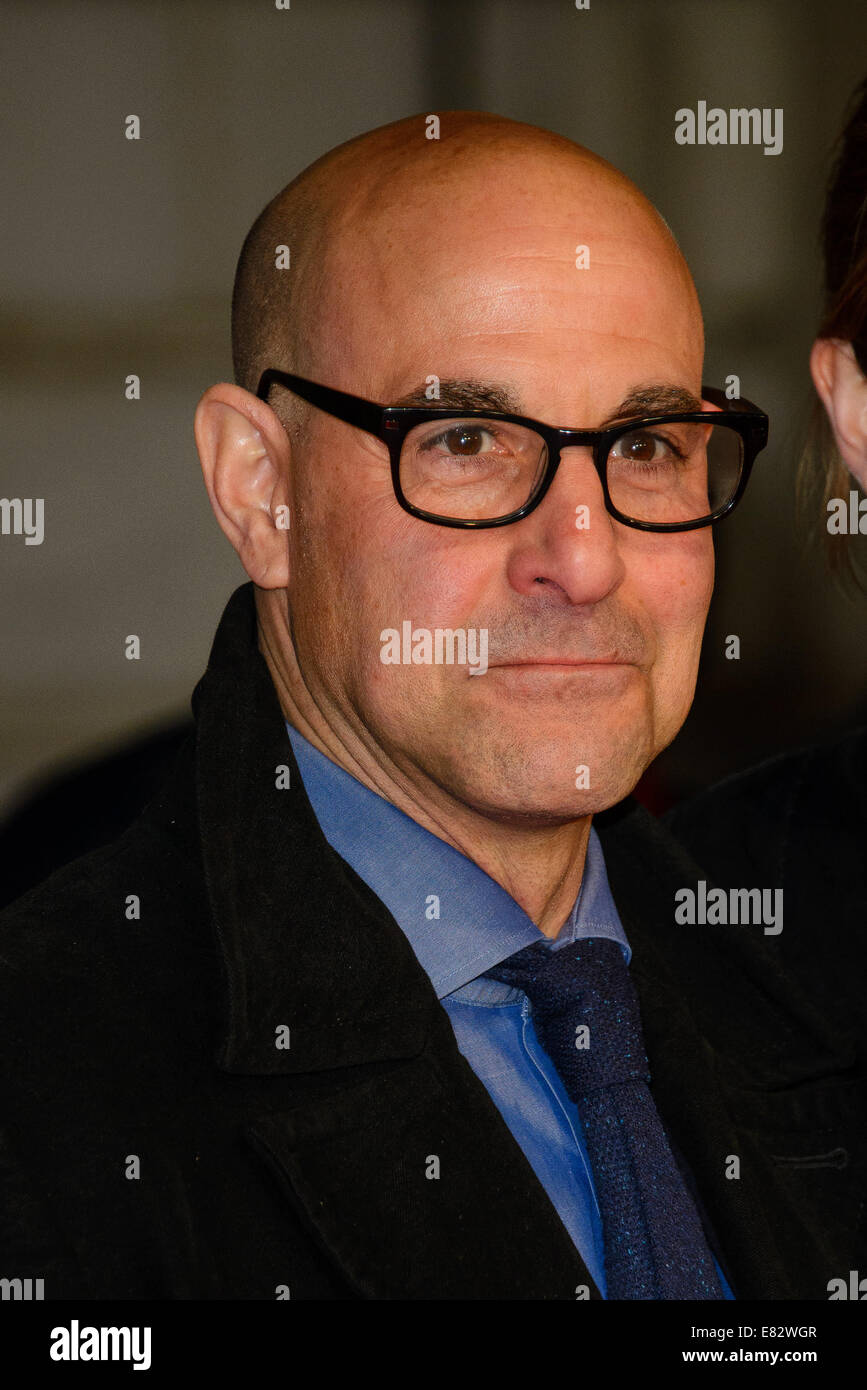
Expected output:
(823, 474)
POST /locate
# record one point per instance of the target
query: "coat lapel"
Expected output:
(415, 1187)
(378, 1130)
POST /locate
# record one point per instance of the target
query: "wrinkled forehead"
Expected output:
(523, 250)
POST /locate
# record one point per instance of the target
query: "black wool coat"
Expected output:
(798, 823)
(156, 1143)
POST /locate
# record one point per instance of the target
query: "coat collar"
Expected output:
(306, 945)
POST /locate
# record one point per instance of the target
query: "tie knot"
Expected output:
(585, 1010)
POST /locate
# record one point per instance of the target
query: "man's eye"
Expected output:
(464, 439)
(640, 446)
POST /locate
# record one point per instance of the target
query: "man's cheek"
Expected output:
(680, 605)
(684, 587)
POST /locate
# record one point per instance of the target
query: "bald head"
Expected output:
(386, 202)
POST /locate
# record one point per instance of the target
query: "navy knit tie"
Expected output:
(585, 1011)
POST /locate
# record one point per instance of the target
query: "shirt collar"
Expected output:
(457, 919)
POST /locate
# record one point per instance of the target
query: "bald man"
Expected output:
(366, 1005)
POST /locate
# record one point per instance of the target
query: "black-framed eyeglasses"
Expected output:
(479, 468)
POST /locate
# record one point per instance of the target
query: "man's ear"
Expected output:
(842, 389)
(245, 454)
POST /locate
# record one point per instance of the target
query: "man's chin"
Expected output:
(548, 770)
(559, 796)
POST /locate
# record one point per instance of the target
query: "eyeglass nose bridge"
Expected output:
(560, 439)
(568, 439)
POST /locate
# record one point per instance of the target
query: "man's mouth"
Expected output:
(562, 662)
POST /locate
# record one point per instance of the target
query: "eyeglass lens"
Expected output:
(480, 470)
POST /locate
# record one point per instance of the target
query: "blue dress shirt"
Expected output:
(460, 923)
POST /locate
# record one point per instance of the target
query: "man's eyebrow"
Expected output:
(464, 393)
(653, 400)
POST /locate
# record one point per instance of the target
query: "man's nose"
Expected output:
(570, 542)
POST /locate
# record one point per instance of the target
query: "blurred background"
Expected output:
(119, 258)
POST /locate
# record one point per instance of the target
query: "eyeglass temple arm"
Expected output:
(735, 407)
(353, 410)
(758, 420)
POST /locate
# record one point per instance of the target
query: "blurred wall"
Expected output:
(119, 257)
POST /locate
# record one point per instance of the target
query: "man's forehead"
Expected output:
(455, 247)
(515, 286)
(430, 261)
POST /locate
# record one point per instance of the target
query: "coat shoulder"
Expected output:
(758, 821)
(104, 956)
(797, 825)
